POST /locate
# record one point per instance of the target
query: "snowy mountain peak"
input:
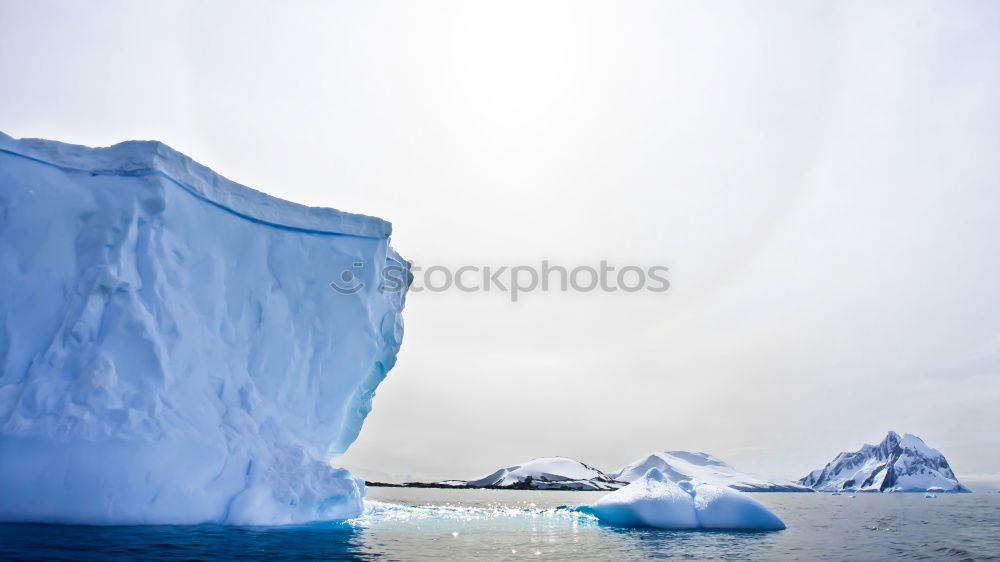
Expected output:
(701, 459)
(679, 466)
(897, 464)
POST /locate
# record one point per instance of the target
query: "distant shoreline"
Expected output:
(522, 486)
(446, 487)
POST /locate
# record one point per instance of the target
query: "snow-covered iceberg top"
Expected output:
(897, 464)
(170, 348)
(653, 500)
(679, 466)
(153, 158)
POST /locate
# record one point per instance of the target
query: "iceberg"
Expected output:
(171, 348)
(653, 500)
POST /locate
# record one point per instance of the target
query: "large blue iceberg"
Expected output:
(171, 349)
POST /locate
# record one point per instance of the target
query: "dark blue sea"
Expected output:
(427, 524)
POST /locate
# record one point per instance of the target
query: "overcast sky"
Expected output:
(822, 179)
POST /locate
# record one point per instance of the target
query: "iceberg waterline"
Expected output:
(170, 347)
(653, 500)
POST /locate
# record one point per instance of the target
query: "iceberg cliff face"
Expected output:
(897, 464)
(171, 350)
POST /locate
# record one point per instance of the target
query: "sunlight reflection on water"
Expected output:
(426, 524)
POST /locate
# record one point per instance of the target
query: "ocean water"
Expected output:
(429, 524)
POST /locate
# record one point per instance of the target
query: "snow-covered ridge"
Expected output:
(561, 473)
(897, 464)
(679, 466)
(170, 348)
(549, 473)
(138, 158)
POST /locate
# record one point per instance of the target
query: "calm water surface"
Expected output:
(425, 524)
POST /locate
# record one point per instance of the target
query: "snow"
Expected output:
(453, 483)
(170, 348)
(547, 473)
(678, 466)
(654, 500)
(683, 465)
(897, 464)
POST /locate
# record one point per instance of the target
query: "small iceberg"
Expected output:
(655, 501)
(930, 496)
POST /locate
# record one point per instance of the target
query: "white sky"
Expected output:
(821, 178)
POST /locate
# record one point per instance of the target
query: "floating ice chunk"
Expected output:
(651, 501)
(655, 501)
(725, 508)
